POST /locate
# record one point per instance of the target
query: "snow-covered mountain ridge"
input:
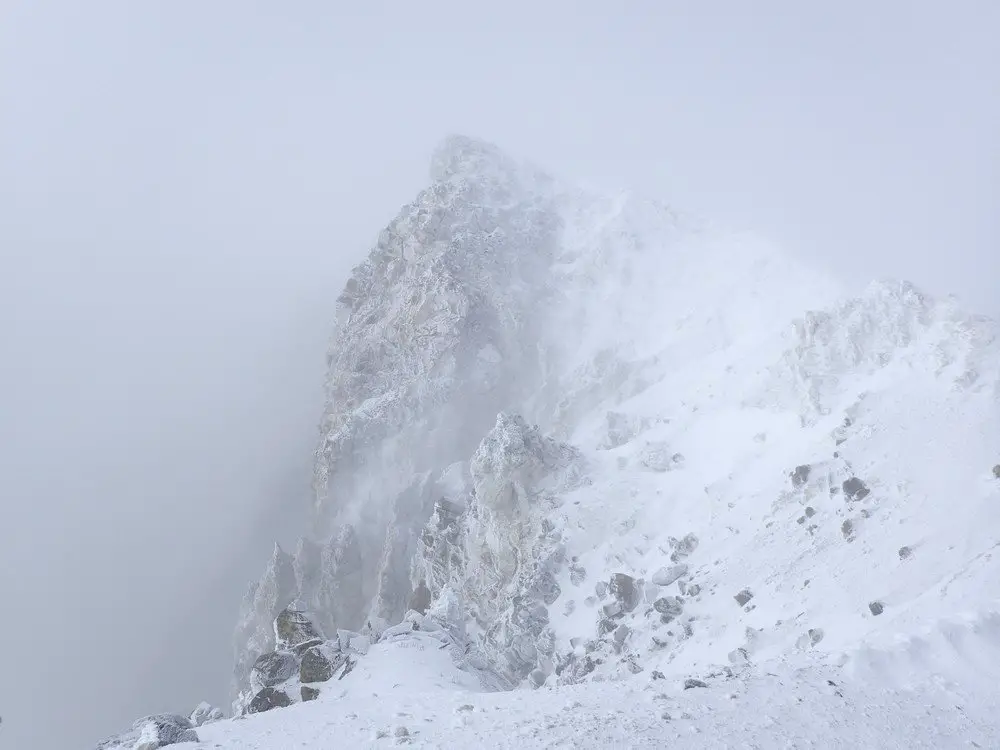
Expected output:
(572, 438)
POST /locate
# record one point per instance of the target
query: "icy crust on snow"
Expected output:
(722, 458)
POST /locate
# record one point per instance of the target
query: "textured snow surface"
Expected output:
(615, 448)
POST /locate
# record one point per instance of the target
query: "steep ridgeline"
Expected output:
(578, 436)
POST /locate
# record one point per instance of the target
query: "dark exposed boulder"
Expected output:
(855, 489)
(876, 608)
(292, 627)
(669, 607)
(319, 665)
(267, 699)
(625, 591)
(309, 693)
(743, 597)
(801, 475)
(273, 669)
(996, 471)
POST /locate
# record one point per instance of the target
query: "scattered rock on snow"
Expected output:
(309, 693)
(743, 597)
(876, 608)
(847, 529)
(666, 576)
(905, 553)
(996, 471)
(693, 683)
(267, 699)
(669, 607)
(855, 489)
(801, 475)
(683, 548)
(623, 588)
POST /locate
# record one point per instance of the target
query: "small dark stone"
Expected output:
(855, 489)
(743, 597)
(801, 475)
(847, 529)
(810, 511)
(694, 589)
(692, 683)
(876, 608)
(905, 553)
(309, 693)
(267, 699)
(996, 471)
(657, 675)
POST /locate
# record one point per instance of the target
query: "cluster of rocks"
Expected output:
(303, 659)
(161, 730)
(622, 601)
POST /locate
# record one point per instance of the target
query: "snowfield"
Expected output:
(596, 474)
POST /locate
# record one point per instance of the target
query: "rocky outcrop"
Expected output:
(152, 733)
(499, 555)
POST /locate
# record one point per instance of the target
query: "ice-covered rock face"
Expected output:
(679, 361)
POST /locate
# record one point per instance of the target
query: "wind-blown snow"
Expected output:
(710, 463)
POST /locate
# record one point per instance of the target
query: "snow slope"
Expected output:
(615, 448)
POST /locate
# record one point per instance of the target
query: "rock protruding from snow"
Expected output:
(264, 600)
(501, 555)
(152, 733)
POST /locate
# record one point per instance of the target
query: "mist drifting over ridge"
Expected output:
(187, 188)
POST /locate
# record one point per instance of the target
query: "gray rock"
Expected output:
(666, 576)
(273, 669)
(309, 693)
(693, 590)
(292, 627)
(684, 547)
(815, 635)
(319, 666)
(847, 529)
(801, 475)
(420, 600)
(205, 713)
(162, 730)
(810, 511)
(996, 471)
(905, 553)
(623, 588)
(855, 489)
(601, 589)
(876, 608)
(692, 683)
(622, 633)
(669, 606)
(743, 597)
(267, 699)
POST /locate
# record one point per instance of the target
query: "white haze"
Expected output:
(184, 186)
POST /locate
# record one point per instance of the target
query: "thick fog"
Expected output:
(185, 185)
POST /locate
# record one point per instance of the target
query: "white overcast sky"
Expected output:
(184, 185)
